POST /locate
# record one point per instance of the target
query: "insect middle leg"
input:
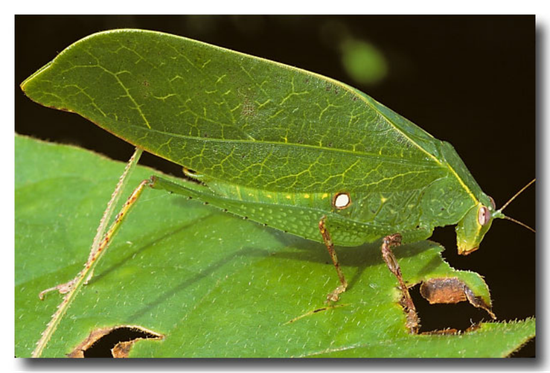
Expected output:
(413, 321)
(335, 294)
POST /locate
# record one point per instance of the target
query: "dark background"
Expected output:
(469, 80)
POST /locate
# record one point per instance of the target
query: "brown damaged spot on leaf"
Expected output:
(122, 349)
(451, 290)
(112, 342)
(249, 108)
(443, 290)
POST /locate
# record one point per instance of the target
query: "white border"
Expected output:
(539, 8)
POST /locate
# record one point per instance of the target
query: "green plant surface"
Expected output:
(212, 284)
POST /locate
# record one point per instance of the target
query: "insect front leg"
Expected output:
(413, 321)
(334, 295)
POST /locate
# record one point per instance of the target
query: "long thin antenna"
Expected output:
(517, 194)
(518, 222)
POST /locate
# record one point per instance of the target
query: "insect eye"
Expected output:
(484, 215)
(341, 200)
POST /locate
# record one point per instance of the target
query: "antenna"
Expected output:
(518, 222)
(500, 215)
(517, 194)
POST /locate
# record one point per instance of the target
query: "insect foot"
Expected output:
(413, 321)
(335, 295)
(62, 288)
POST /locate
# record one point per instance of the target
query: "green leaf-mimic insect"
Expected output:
(281, 146)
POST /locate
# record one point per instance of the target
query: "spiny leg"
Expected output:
(413, 321)
(124, 211)
(333, 296)
(87, 272)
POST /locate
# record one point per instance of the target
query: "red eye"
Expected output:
(484, 215)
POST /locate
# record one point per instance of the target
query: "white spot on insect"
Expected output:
(341, 200)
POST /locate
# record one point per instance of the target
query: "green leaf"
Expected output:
(213, 285)
(482, 342)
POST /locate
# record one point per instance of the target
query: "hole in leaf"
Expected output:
(112, 342)
(446, 318)
(451, 290)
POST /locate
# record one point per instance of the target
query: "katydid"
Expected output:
(280, 146)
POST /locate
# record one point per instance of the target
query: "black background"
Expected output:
(469, 80)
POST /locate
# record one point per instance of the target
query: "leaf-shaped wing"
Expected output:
(239, 118)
